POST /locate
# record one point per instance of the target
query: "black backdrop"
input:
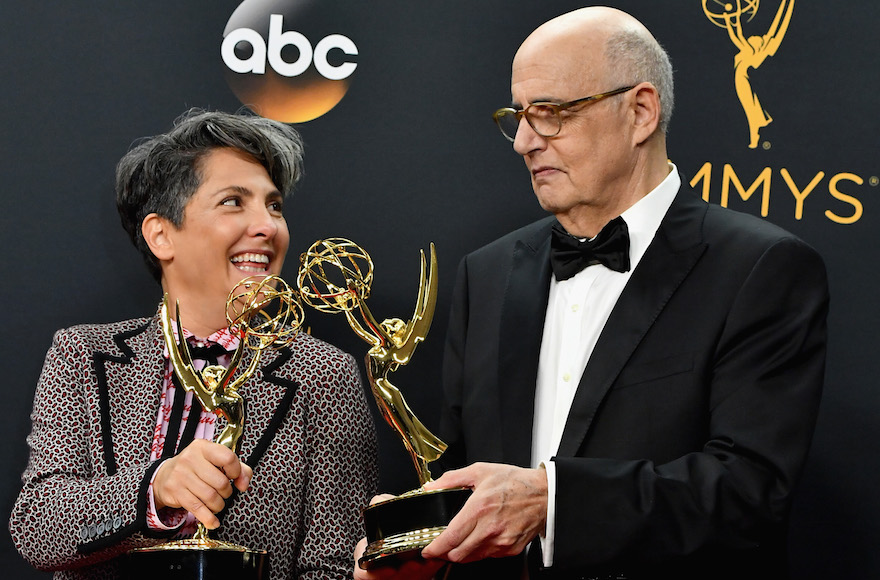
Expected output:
(410, 156)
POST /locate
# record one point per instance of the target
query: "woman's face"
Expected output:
(232, 228)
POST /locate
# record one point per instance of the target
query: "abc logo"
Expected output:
(288, 60)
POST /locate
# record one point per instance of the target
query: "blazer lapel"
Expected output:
(268, 396)
(129, 387)
(675, 250)
(522, 323)
(128, 415)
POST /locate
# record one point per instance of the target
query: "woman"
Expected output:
(203, 204)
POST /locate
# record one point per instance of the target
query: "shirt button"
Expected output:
(566, 377)
(575, 307)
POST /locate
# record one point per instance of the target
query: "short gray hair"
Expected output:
(638, 57)
(160, 174)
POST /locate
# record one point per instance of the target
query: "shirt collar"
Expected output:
(643, 217)
(224, 337)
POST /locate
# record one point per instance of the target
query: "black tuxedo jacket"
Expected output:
(694, 415)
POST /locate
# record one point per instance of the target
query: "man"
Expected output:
(123, 457)
(638, 376)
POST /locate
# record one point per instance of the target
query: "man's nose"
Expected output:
(527, 139)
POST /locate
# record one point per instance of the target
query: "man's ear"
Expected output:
(155, 230)
(646, 105)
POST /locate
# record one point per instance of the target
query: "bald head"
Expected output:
(607, 152)
(593, 24)
(601, 46)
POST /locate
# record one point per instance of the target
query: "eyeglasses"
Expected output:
(544, 118)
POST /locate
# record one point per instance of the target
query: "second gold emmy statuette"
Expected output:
(335, 276)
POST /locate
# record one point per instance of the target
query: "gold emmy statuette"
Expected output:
(265, 313)
(335, 276)
(753, 51)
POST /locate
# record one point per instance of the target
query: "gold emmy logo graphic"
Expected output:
(752, 51)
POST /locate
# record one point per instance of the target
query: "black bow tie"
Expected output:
(209, 352)
(569, 255)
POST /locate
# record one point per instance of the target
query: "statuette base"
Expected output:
(196, 559)
(398, 529)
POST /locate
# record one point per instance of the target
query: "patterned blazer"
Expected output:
(308, 436)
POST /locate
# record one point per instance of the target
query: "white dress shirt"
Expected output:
(577, 311)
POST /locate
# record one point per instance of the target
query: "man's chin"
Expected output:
(549, 204)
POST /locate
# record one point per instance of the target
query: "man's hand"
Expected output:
(199, 479)
(417, 569)
(507, 510)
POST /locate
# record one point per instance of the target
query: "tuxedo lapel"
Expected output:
(522, 323)
(675, 250)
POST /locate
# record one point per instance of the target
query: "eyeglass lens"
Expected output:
(543, 119)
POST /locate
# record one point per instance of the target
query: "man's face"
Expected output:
(580, 168)
(232, 228)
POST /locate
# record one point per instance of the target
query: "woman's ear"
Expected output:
(155, 231)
